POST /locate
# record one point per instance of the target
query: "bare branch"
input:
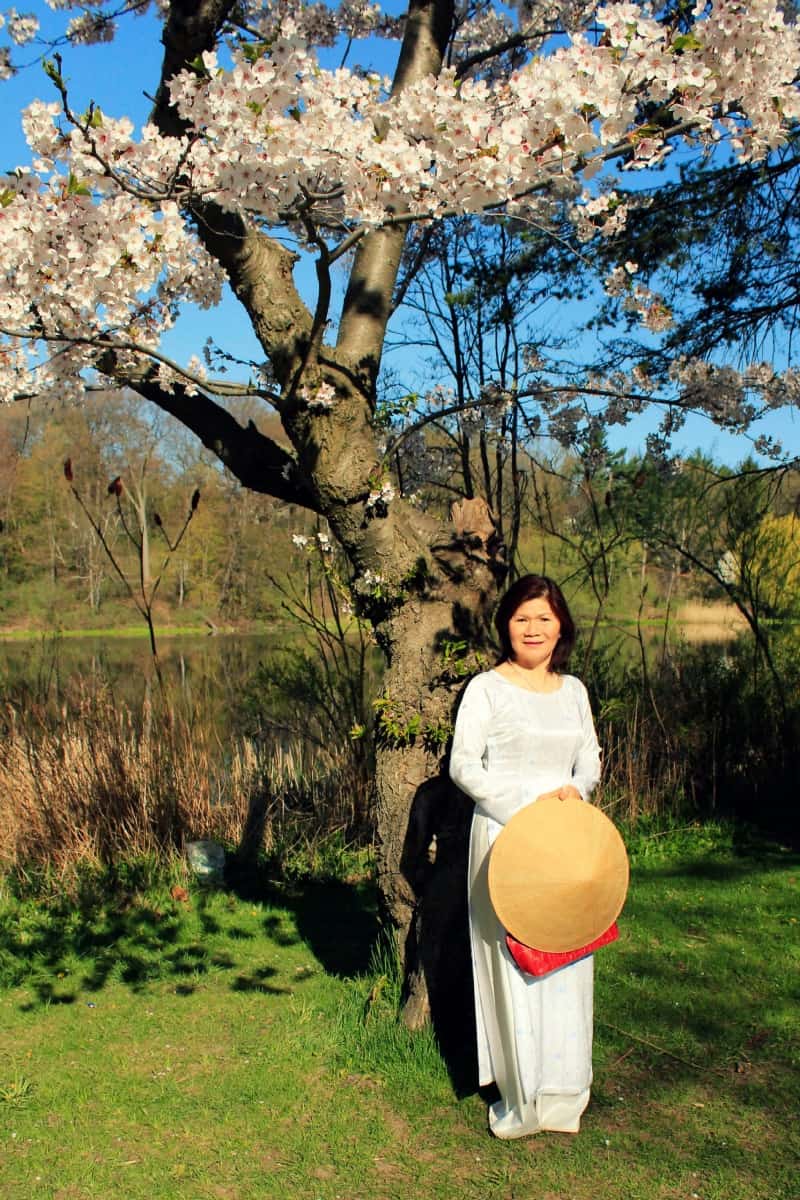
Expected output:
(255, 459)
(368, 300)
(108, 344)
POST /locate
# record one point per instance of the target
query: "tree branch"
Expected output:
(368, 300)
(257, 461)
(109, 345)
(259, 268)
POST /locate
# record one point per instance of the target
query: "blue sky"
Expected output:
(118, 76)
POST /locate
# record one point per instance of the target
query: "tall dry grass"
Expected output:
(701, 733)
(645, 772)
(101, 785)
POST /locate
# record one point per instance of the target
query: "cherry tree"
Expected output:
(255, 155)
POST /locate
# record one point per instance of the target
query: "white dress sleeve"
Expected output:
(497, 794)
(586, 771)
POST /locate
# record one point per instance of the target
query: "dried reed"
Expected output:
(98, 786)
(644, 773)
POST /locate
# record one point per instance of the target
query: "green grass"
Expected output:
(244, 1045)
(114, 631)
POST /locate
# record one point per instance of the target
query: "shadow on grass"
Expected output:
(338, 921)
(699, 986)
(64, 951)
(738, 864)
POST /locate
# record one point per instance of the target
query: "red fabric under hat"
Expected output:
(542, 962)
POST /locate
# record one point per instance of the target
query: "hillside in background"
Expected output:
(625, 542)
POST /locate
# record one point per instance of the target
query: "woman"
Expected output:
(525, 731)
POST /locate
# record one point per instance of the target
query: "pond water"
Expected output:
(205, 674)
(218, 676)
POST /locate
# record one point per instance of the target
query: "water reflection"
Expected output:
(220, 677)
(212, 675)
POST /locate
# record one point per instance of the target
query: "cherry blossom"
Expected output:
(378, 499)
(22, 27)
(323, 399)
(97, 251)
(88, 30)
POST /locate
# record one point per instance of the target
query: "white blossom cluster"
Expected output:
(574, 414)
(618, 282)
(321, 540)
(78, 271)
(440, 396)
(89, 30)
(543, 14)
(272, 128)
(605, 214)
(532, 357)
(650, 307)
(368, 583)
(471, 417)
(497, 401)
(22, 27)
(566, 422)
(768, 446)
(321, 24)
(93, 240)
(378, 500)
(485, 28)
(323, 399)
(732, 399)
(718, 391)
(653, 313)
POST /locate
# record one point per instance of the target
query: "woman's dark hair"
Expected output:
(536, 587)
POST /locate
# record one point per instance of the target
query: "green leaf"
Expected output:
(459, 299)
(93, 117)
(52, 72)
(7, 197)
(199, 67)
(686, 41)
(76, 187)
(253, 51)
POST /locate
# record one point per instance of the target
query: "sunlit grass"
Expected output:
(246, 1044)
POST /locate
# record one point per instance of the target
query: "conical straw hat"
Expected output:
(558, 874)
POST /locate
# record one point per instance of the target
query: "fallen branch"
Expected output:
(662, 1050)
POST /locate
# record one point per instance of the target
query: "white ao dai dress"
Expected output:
(534, 1034)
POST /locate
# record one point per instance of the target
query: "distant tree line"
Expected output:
(619, 531)
(53, 568)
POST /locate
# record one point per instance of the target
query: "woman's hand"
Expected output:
(567, 792)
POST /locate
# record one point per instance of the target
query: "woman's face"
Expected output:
(533, 630)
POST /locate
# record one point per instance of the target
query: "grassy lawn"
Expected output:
(242, 1045)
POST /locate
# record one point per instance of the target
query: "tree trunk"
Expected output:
(417, 585)
(422, 819)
